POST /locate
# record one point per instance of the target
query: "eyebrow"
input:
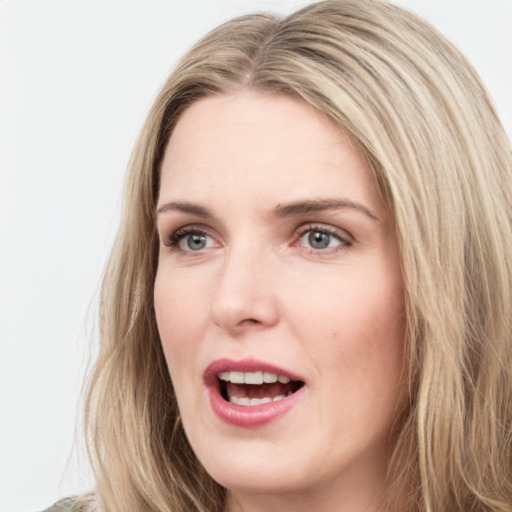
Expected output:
(281, 210)
(179, 206)
(318, 205)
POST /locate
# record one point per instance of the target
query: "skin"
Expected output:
(260, 288)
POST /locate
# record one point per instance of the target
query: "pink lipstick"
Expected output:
(251, 393)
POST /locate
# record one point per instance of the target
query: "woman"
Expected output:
(308, 302)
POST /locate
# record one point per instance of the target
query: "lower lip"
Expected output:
(252, 416)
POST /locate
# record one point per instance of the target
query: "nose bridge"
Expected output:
(244, 295)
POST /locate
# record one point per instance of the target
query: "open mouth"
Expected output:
(255, 388)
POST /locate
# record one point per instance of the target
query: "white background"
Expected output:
(76, 79)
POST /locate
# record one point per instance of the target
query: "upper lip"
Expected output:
(243, 365)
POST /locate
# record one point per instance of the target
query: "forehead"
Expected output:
(260, 143)
(263, 120)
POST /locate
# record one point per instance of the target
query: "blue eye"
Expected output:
(190, 240)
(321, 239)
(194, 242)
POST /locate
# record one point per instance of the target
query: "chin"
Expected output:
(256, 465)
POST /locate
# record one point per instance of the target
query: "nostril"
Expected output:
(250, 321)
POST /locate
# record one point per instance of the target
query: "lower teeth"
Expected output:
(256, 401)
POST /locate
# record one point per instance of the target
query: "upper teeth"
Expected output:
(252, 377)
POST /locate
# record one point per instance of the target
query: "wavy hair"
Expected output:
(443, 164)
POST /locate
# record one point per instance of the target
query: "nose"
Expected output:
(245, 295)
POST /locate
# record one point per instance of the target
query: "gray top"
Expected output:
(65, 505)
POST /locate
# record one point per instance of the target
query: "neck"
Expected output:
(362, 496)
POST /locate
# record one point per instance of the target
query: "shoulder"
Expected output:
(65, 505)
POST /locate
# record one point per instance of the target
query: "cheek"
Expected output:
(178, 308)
(375, 351)
(350, 305)
(377, 334)
(355, 329)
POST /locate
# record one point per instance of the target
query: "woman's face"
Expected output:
(278, 261)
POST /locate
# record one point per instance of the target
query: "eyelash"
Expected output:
(173, 240)
(344, 239)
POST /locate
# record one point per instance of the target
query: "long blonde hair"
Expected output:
(443, 164)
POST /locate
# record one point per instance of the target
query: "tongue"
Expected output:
(258, 390)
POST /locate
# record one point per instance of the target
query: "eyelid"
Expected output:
(345, 238)
(173, 239)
